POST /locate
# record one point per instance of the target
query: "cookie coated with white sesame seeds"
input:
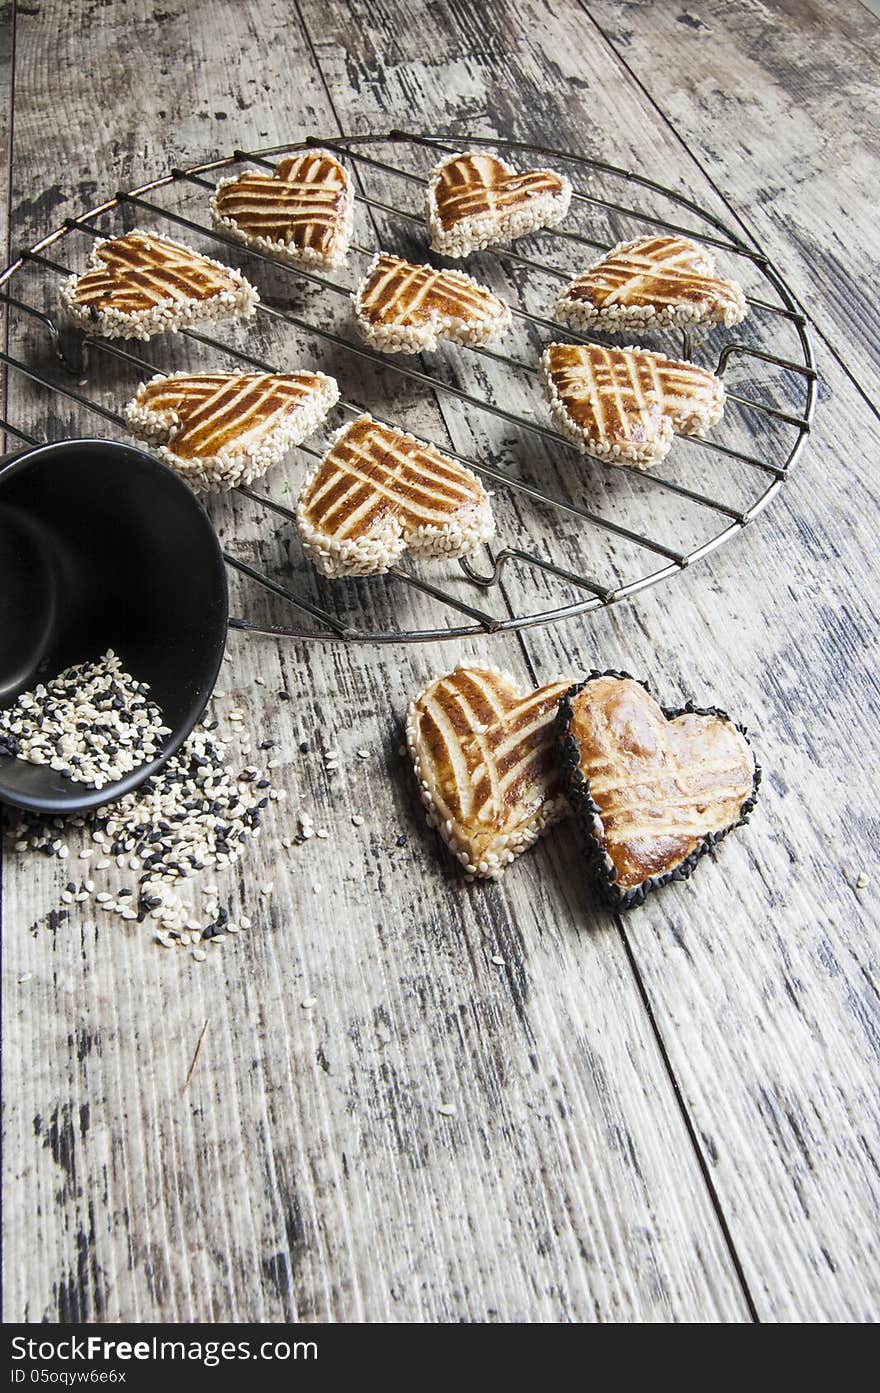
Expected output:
(144, 283)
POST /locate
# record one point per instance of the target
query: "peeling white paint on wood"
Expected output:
(670, 1118)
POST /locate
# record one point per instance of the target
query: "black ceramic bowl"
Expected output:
(102, 546)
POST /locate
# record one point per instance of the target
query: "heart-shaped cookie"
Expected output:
(303, 213)
(475, 200)
(402, 308)
(144, 284)
(653, 790)
(379, 492)
(483, 753)
(626, 403)
(652, 283)
(222, 429)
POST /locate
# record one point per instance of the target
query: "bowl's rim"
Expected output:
(90, 798)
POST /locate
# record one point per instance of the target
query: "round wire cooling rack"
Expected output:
(583, 540)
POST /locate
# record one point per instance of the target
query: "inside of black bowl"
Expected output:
(102, 546)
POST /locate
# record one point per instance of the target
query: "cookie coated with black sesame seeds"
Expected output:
(588, 817)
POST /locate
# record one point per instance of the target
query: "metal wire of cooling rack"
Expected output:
(591, 594)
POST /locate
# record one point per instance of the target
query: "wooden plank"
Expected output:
(781, 101)
(271, 1184)
(763, 1001)
(760, 973)
(7, 42)
(7, 33)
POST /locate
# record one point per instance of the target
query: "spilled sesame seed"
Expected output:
(195, 815)
(93, 723)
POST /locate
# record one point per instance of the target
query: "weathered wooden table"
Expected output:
(671, 1116)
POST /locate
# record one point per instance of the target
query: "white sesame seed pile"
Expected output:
(93, 723)
(161, 856)
(194, 816)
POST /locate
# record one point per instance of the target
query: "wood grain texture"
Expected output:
(782, 105)
(772, 1120)
(276, 1186)
(673, 1118)
(7, 46)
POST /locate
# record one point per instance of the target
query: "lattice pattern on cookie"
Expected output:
(222, 429)
(475, 199)
(303, 213)
(143, 284)
(651, 283)
(626, 403)
(483, 752)
(404, 308)
(379, 492)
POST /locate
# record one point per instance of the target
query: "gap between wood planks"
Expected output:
(671, 126)
(686, 1119)
(635, 971)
